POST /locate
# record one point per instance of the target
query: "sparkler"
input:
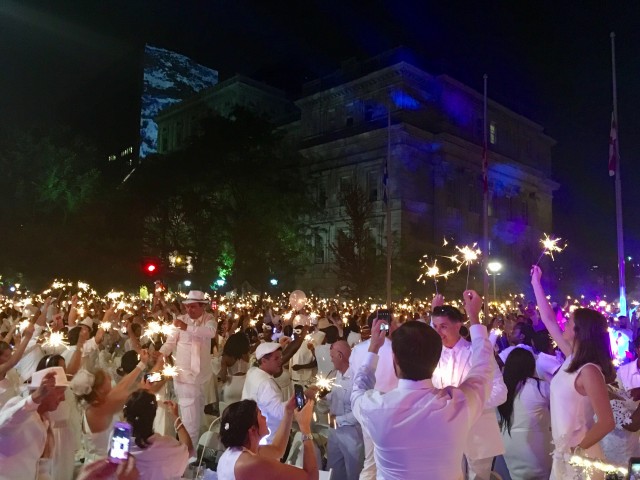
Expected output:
(167, 329)
(550, 245)
(466, 256)
(106, 326)
(55, 340)
(169, 371)
(432, 271)
(324, 383)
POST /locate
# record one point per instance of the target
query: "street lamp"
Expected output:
(494, 269)
(187, 283)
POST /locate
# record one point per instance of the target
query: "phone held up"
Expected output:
(384, 314)
(634, 468)
(300, 398)
(153, 377)
(119, 445)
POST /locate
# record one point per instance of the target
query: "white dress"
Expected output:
(165, 458)
(96, 445)
(227, 462)
(571, 417)
(528, 447)
(619, 445)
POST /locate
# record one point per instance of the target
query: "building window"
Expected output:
(318, 249)
(372, 186)
(345, 183)
(493, 133)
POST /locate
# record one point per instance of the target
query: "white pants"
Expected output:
(345, 454)
(479, 469)
(369, 471)
(191, 402)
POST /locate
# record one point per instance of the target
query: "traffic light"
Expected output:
(151, 266)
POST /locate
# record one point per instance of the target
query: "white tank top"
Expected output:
(227, 462)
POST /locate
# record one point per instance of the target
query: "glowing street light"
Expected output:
(187, 283)
(494, 270)
(273, 282)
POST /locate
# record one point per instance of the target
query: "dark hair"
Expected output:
(73, 335)
(136, 328)
(542, 341)
(236, 346)
(591, 342)
(4, 346)
(236, 421)
(140, 411)
(452, 313)
(520, 365)
(416, 348)
(49, 361)
(332, 334)
(128, 362)
(527, 331)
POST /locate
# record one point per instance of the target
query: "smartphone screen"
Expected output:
(300, 398)
(384, 314)
(634, 468)
(153, 377)
(119, 446)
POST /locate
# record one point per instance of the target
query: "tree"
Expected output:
(358, 264)
(235, 195)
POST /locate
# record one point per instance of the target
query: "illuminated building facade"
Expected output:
(431, 128)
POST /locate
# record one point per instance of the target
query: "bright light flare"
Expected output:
(55, 340)
(170, 371)
(324, 383)
(550, 245)
(106, 326)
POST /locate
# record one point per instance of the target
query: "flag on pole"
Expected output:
(613, 147)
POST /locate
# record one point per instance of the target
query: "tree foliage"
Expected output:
(358, 265)
(233, 196)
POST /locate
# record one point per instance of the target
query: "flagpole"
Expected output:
(485, 208)
(388, 206)
(618, 183)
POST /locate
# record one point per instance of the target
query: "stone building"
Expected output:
(431, 129)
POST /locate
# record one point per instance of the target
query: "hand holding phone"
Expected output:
(120, 441)
(153, 377)
(301, 400)
(384, 314)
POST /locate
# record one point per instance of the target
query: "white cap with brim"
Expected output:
(60, 376)
(195, 296)
(266, 348)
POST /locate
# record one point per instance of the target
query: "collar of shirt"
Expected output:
(405, 384)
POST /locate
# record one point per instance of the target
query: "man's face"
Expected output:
(449, 331)
(272, 363)
(516, 336)
(194, 310)
(51, 402)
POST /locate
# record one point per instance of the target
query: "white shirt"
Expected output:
(262, 388)
(323, 357)
(88, 349)
(547, 365)
(165, 458)
(23, 434)
(505, 353)
(629, 376)
(302, 357)
(386, 379)
(419, 431)
(191, 348)
(340, 399)
(484, 439)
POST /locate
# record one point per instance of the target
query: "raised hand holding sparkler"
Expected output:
(550, 245)
(466, 256)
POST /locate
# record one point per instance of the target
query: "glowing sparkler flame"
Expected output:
(106, 326)
(550, 245)
(169, 371)
(167, 329)
(56, 339)
(324, 383)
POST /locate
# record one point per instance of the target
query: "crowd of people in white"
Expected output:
(436, 396)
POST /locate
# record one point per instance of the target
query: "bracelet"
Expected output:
(141, 365)
(177, 423)
(306, 436)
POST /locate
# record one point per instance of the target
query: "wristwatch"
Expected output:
(306, 436)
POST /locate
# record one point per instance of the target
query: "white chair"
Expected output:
(210, 443)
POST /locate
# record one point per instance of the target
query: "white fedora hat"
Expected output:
(60, 376)
(195, 296)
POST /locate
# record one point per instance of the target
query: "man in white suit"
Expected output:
(484, 441)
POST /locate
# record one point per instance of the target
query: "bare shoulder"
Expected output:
(251, 466)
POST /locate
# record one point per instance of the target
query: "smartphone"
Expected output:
(119, 445)
(634, 468)
(153, 377)
(300, 398)
(384, 314)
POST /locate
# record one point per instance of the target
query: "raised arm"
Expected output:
(17, 355)
(73, 312)
(279, 445)
(546, 312)
(118, 395)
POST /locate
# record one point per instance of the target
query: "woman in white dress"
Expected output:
(242, 426)
(157, 456)
(580, 411)
(103, 403)
(525, 420)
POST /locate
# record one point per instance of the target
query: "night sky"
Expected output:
(79, 63)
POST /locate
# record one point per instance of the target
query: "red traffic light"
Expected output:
(151, 268)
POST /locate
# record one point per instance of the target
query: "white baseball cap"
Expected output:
(266, 348)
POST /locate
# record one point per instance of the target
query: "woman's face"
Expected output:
(263, 430)
(569, 334)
